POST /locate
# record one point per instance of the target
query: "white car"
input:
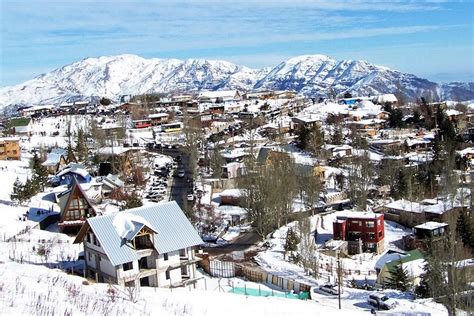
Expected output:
(181, 173)
(190, 197)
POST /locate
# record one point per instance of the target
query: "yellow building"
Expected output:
(10, 149)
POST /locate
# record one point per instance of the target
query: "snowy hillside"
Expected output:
(311, 75)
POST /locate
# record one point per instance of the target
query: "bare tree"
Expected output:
(307, 247)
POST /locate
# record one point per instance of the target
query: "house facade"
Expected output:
(10, 148)
(362, 230)
(145, 246)
(75, 209)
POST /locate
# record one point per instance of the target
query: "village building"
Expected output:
(57, 159)
(158, 118)
(10, 148)
(425, 233)
(308, 121)
(145, 246)
(412, 262)
(75, 209)
(72, 173)
(110, 183)
(411, 214)
(231, 197)
(219, 96)
(362, 230)
(20, 126)
(385, 99)
(233, 170)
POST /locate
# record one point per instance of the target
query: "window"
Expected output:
(380, 234)
(183, 253)
(370, 224)
(88, 237)
(371, 235)
(167, 275)
(127, 266)
(165, 256)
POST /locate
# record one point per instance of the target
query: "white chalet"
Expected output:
(145, 246)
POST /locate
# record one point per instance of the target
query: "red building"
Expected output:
(142, 123)
(363, 231)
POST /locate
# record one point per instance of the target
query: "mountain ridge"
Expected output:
(310, 75)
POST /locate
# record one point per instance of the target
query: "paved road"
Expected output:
(241, 243)
(179, 192)
(180, 186)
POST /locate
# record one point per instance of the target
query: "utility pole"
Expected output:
(339, 279)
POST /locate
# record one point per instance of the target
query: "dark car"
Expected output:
(381, 301)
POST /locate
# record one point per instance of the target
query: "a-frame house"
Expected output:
(75, 209)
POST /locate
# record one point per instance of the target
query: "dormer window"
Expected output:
(143, 240)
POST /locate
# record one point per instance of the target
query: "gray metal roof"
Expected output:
(174, 231)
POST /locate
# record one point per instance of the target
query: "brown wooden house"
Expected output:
(58, 159)
(75, 209)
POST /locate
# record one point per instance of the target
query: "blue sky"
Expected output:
(433, 39)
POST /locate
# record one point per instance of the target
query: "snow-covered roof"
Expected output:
(217, 94)
(157, 115)
(173, 230)
(362, 215)
(389, 255)
(466, 151)
(405, 205)
(383, 98)
(127, 225)
(232, 192)
(74, 169)
(451, 112)
(431, 225)
(54, 156)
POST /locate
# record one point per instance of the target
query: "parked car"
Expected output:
(381, 301)
(190, 197)
(180, 173)
(156, 199)
(328, 289)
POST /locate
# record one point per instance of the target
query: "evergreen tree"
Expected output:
(40, 175)
(337, 136)
(303, 134)
(465, 229)
(430, 279)
(132, 202)
(216, 162)
(398, 279)
(292, 240)
(81, 145)
(17, 194)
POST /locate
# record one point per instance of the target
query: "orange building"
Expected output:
(10, 149)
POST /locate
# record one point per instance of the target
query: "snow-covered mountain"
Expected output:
(311, 75)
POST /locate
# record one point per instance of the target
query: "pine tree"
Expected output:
(132, 202)
(81, 146)
(40, 172)
(465, 229)
(216, 162)
(17, 194)
(398, 279)
(292, 240)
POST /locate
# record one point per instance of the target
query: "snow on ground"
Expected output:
(10, 170)
(273, 261)
(30, 289)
